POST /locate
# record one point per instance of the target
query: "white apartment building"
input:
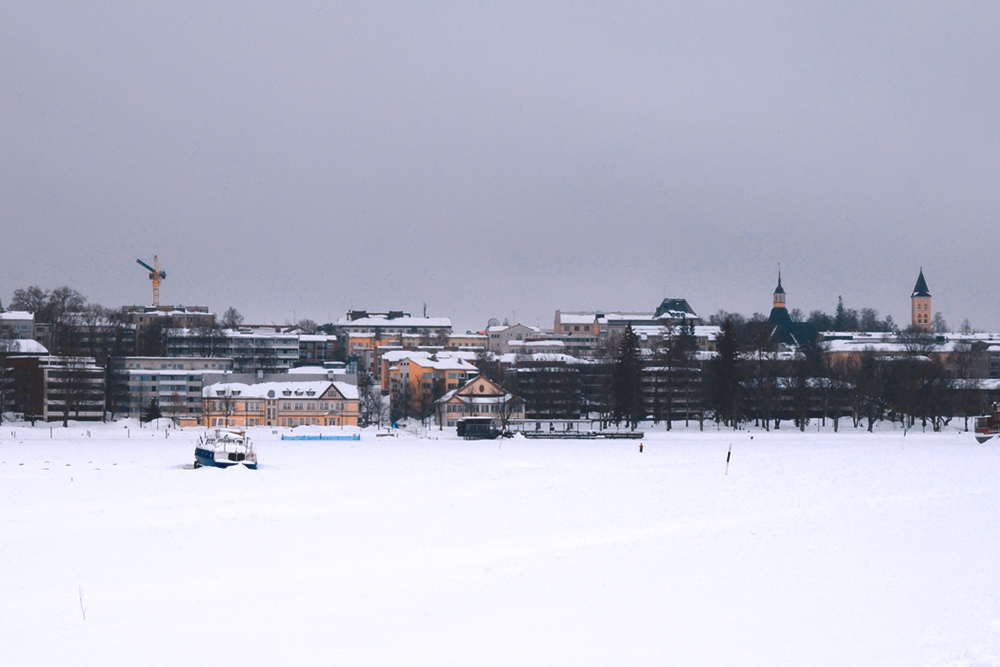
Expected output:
(175, 382)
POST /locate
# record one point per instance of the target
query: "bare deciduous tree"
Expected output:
(307, 326)
(372, 404)
(231, 319)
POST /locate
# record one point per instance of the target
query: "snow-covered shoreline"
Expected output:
(815, 548)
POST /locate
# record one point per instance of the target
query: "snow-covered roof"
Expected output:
(395, 356)
(492, 399)
(173, 372)
(678, 309)
(259, 334)
(513, 358)
(537, 344)
(465, 394)
(290, 390)
(608, 317)
(577, 318)
(26, 346)
(348, 390)
(645, 331)
(444, 364)
(421, 322)
(17, 315)
(308, 370)
(859, 335)
(992, 384)
(677, 315)
(167, 311)
(498, 328)
(708, 331)
(885, 346)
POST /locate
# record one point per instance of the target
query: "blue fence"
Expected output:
(356, 436)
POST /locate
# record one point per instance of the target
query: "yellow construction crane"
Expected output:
(156, 275)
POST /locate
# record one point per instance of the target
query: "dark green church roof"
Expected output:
(920, 289)
(785, 331)
(677, 308)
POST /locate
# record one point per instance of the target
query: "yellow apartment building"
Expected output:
(290, 404)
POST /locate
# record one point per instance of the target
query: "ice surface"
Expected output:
(815, 549)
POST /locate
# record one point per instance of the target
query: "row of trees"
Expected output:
(842, 319)
(752, 383)
(748, 380)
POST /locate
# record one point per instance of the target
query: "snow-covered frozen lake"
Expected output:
(815, 549)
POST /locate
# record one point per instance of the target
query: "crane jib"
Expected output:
(153, 273)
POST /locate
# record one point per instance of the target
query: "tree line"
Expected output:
(842, 319)
(746, 381)
(751, 380)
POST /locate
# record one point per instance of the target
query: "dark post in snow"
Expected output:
(730, 453)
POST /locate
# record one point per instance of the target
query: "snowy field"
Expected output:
(815, 549)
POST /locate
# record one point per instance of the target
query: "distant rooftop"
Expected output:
(17, 315)
(356, 318)
(26, 346)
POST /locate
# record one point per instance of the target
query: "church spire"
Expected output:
(920, 304)
(920, 289)
(779, 292)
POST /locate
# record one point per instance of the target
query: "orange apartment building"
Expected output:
(417, 373)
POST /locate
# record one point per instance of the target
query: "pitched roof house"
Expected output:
(479, 397)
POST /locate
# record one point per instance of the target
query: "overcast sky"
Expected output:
(297, 159)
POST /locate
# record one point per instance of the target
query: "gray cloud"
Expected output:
(299, 159)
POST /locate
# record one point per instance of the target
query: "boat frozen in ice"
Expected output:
(224, 447)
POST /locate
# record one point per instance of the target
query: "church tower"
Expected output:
(920, 305)
(779, 294)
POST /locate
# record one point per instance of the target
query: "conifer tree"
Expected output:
(725, 394)
(153, 410)
(626, 385)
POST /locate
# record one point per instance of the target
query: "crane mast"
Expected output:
(156, 275)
